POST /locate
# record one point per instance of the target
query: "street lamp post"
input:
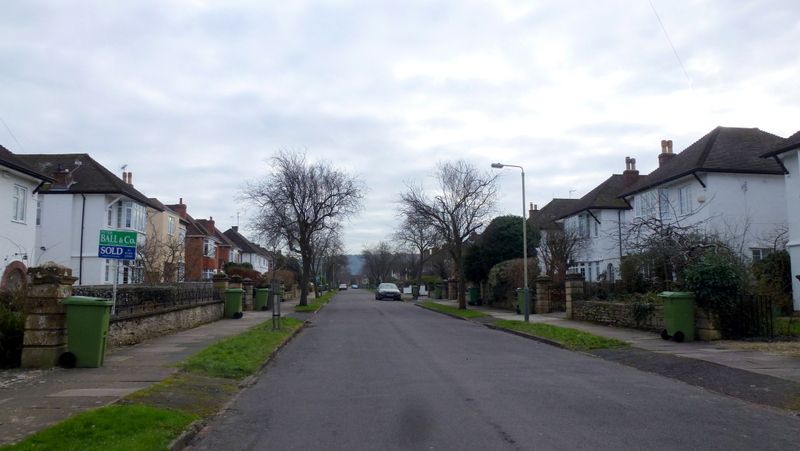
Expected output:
(525, 295)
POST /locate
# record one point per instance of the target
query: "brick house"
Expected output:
(202, 260)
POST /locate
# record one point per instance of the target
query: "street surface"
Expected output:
(383, 375)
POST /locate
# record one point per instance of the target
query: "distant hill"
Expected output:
(355, 263)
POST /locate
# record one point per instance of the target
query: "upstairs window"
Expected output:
(209, 248)
(685, 203)
(664, 206)
(171, 226)
(645, 205)
(19, 200)
(127, 215)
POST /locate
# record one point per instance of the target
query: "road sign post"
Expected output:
(117, 245)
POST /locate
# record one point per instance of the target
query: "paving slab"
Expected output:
(775, 365)
(34, 399)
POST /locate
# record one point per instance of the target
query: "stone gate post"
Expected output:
(573, 291)
(45, 336)
(543, 294)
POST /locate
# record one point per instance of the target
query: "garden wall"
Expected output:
(137, 327)
(619, 314)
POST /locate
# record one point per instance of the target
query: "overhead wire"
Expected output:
(674, 50)
(12, 134)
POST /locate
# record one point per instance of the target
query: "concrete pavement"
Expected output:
(31, 400)
(775, 365)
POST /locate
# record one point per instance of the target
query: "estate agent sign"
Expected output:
(117, 244)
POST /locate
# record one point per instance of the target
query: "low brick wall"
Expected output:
(618, 314)
(132, 329)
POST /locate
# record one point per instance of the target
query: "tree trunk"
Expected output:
(304, 278)
(459, 273)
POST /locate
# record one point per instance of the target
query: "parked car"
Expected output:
(342, 286)
(354, 286)
(387, 290)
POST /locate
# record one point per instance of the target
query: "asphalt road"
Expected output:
(370, 375)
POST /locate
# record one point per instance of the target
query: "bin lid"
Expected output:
(262, 289)
(676, 294)
(86, 300)
(234, 290)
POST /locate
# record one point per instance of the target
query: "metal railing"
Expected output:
(133, 299)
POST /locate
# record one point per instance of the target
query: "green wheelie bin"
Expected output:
(233, 303)
(261, 299)
(473, 296)
(438, 292)
(678, 315)
(87, 330)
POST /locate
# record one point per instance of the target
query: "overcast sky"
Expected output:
(195, 96)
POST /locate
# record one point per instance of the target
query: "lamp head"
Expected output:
(497, 165)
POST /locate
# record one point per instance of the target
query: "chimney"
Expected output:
(130, 179)
(62, 178)
(532, 210)
(180, 209)
(631, 174)
(666, 152)
(211, 224)
(235, 228)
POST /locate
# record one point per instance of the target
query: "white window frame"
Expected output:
(685, 200)
(664, 205)
(19, 203)
(171, 226)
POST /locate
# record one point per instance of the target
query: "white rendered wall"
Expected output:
(17, 239)
(60, 234)
(792, 186)
(745, 210)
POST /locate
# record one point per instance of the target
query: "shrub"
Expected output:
(773, 278)
(12, 328)
(716, 281)
(505, 277)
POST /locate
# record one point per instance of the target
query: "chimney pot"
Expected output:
(666, 152)
(235, 228)
(631, 175)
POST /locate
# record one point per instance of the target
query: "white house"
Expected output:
(597, 219)
(787, 154)
(720, 185)
(249, 251)
(544, 220)
(18, 183)
(85, 198)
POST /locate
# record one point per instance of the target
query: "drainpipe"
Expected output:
(80, 255)
(619, 230)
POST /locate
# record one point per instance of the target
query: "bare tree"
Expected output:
(160, 256)
(418, 233)
(326, 244)
(464, 199)
(298, 201)
(559, 249)
(378, 262)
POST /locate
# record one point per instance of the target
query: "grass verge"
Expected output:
(242, 355)
(118, 427)
(316, 303)
(468, 314)
(153, 417)
(575, 340)
(787, 326)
